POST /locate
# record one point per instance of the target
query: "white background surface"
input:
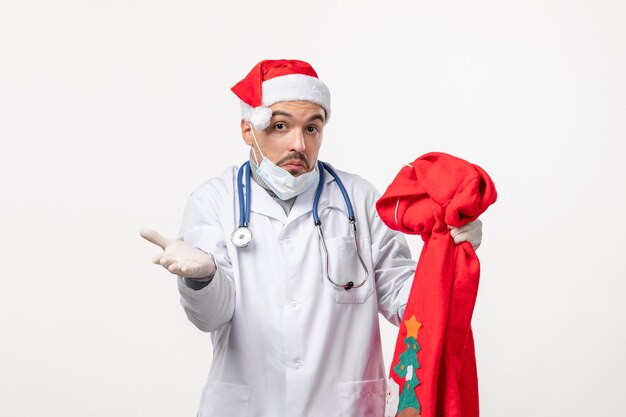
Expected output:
(112, 112)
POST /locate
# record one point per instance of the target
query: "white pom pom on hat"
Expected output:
(273, 81)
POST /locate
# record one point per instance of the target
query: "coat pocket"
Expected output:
(344, 266)
(362, 398)
(222, 399)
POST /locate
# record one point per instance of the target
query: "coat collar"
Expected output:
(263, 203)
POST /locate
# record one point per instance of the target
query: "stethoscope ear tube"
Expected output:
(346, 198)
(318, 193)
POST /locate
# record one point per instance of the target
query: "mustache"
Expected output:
(294, 155)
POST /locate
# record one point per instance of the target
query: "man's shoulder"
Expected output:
(354, 181)
(224, 180)
(219, 185)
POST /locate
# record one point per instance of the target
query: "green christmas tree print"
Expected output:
(407, 367)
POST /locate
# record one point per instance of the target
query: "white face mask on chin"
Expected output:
(281, 182)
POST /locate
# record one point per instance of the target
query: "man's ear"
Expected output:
(246, 132)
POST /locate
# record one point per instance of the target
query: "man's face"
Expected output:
(293, 138)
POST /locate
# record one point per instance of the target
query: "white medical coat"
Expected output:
(286, 342)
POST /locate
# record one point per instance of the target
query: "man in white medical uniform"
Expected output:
(293, 319)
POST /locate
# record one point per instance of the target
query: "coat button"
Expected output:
(298, 364)
(294, 303)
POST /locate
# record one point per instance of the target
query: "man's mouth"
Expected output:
(294, 164)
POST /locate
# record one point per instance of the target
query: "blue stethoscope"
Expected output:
(242, 235)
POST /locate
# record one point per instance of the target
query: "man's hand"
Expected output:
(180, 258)
(471, 232)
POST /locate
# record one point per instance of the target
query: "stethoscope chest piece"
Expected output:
(241, 237)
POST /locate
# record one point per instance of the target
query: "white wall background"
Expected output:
(112, 112)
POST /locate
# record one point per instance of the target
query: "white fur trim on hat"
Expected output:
(259, 116)
(296, 87)
(291, 87)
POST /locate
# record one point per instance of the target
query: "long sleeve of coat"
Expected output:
(212, 306)
(393, 267)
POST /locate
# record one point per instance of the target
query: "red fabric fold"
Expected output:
(435, 191)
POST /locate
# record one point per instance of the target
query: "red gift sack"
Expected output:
(433, 372)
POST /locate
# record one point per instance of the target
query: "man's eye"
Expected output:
(312, 129)
(280, 126)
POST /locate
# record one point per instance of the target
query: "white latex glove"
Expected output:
(180, 258)
(472, 232)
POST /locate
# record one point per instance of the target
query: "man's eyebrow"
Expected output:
(281, 113)
(316, 117)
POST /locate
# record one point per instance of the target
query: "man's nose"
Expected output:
(297, 140)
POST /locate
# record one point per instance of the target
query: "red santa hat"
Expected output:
(272, 81)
